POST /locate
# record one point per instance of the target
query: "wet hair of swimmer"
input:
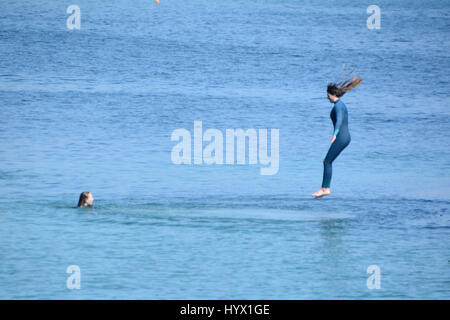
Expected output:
(86, 199)
(340, 88)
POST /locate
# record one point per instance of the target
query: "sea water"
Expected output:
(94, 109)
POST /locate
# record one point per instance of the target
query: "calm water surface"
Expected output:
(94, 109)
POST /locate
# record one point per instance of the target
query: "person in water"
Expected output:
(86, 199)
(341, 136)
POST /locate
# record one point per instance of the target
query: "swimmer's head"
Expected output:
(86, 199)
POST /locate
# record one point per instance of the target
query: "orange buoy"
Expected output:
(157, 1)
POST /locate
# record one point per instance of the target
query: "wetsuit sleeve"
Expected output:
(339, 119)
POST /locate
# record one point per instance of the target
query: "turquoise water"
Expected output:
(94, 109)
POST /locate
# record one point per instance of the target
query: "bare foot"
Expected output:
(321, 192)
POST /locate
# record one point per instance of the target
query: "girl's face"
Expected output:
(90, 200)
(332, 97)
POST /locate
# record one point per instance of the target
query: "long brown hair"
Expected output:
(83, 197)
(340, 88)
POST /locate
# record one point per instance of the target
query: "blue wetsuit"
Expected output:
(339, 116)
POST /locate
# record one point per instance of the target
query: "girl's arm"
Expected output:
(339, 118)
